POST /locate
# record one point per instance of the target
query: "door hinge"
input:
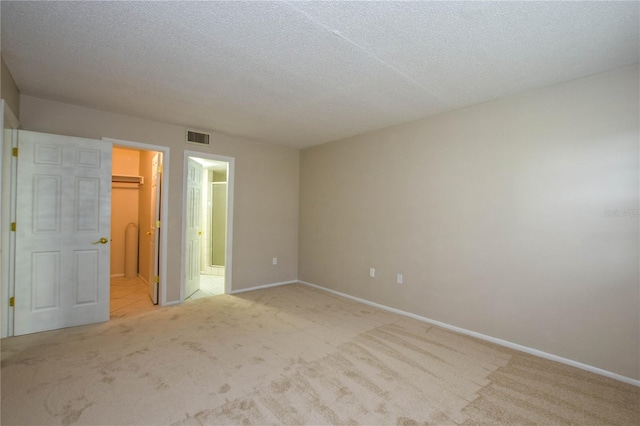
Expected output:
(156, 279)
(14, 152)
(159, 169)
(158, 224)
(13, 226)
(12, 301)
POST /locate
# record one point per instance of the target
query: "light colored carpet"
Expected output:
(291, 355)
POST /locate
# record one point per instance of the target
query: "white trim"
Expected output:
(8, 179)
(260, 287)
(228, 270)
(497, 341)
(228, 267)
(164, 207)
(4, 296)
(172, 303)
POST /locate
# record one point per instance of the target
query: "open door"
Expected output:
(63, 213)
(193, 228)
(154, 246)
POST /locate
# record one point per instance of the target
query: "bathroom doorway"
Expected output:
(207, 229)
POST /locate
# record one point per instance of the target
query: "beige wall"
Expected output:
(8, 89)
(498, 215)
(218, 224)
(124, 205)
(266, 187)
(125, 161)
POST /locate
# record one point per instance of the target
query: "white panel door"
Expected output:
(154, 247)
(63, 215)
(194, 222)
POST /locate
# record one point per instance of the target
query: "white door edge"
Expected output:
(230, 179)
(164, 205)
(8, 181)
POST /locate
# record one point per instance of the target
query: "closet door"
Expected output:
(63, 211)
(154, 232)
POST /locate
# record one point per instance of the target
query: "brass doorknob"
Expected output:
(102, 240)
(199, 232)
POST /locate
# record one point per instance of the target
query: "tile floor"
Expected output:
(131, 295)
(210, 285)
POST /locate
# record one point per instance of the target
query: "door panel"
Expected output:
(63, 211)
(47, 194)
(86, 285)
(45, 285)
(87, 205)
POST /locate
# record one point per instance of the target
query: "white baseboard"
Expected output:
(497, 341)
(260, 287)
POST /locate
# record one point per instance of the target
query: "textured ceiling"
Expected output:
(304, 73)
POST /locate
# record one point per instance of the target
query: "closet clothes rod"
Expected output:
(127, 179)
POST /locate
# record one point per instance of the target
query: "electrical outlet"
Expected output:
(275, 261)
(399, 278)
(372, 272)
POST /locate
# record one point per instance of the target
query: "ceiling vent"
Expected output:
(197, 137)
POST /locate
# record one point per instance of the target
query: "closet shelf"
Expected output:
(127, 179)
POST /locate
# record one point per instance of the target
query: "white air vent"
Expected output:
(196, 137)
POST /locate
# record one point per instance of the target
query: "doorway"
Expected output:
(207, 225)
(135, 191)
(139, 208)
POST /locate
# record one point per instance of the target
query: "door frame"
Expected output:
(229, 249)
(164, 207)
(8, 176)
